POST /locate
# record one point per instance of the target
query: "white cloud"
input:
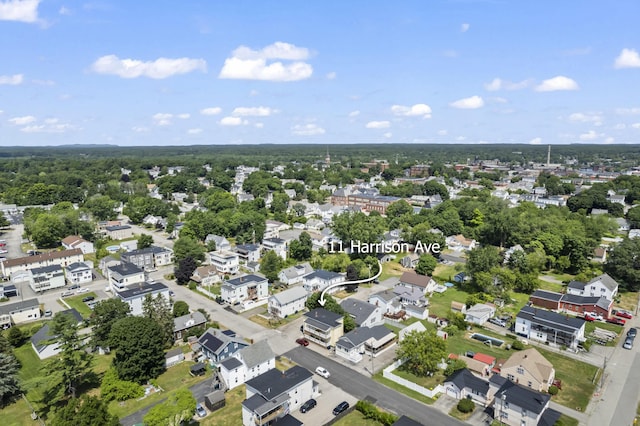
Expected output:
(580, 117)
(609, 140)
(233, 121)
(249, 64)
(254, 111)
(557, 83)
(64, 11)
(535, 141)
(259, 125)
(627, 111)
(162, 119)
(636, 125)
(628, 58)
(450, 54)
(443, 132)
(388, 135)
(158, 69)
(44, 82)
(464, 28)
(194, 131)
(354, 114)
(19, 10)
(472, 102)
(620, 126)
(590, 135)
(44, 128)
(254, 93)
(21, 121)
(417, 110)
(140, 129)
(500, 84)
(183, 116)
(211, 111)
(461, 138)
(332, 75)
(310, 129)
(11, 80)
(378, 125)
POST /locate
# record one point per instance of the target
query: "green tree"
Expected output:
(422, 352)
(302, 248)
(47, 231)
(88, 411)
(105, 313)
(114, 389)
(184, 270)
(270, 265)
(101, 207)
(188, 247)
(633, 215)
(431, 187)
(178, 408)
(623, 264)
(483, 259)
(426, 265)
(159, 310)
(454, 365)
(139, 343)
(180, 308)
(330, 303)
(348, 323)
(16, 337)
(145, 241)
(9, 379)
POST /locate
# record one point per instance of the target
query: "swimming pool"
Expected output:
(482, 338)
(113, 249)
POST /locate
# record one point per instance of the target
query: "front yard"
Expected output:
(80, 306)
(265, 320)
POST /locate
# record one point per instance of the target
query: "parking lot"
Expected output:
(329, 397)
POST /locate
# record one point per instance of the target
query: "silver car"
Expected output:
(628, 343)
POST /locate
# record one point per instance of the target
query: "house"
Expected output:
(549, 327)
(275, 394)
(599, 255)
(323, 327)
(62, 258)
(388, 301)
(417, 326)
(365, 341)
(78, 273)
(222, 244)
(44, 344)
(248, 252)
(315, 225)
(118, 232)
(217, 346)
(321, 279)
(183, 324)
(149, 258)
(278, 245)
(459, 307)
(412, 280)
(226, 262)
(247, 363)
(246, 287)
(518, 405)
(134, 295)
(47, 278)
(480, 313)
(173, 357)
(529, 368)
(410, 261)
(107, 262)
(464, 384)
(510, 251)
(572, 303)
(123, 275)
(294, 274)
(8, 290)
(76, 241)
(273, 228)
(364, 314)
(287, 302)
(410, 296)
(206, 275)
(19, 312)
(460, 243)
(602, 285)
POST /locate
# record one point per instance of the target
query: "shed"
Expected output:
(215, 400)
(173, 357)
(198, 369)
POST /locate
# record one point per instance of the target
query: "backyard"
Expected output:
(80, 306)
(231, 413)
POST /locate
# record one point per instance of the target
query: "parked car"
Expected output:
(302, 341)
(83, 290)
(632, 333)
(624, 314)
(498, 322)
(171, 293)
(74, 286)
(322, 372)
(48, 313)
(200, 410)
(589, 317)
(308, 405)
(618, 321)
(344, 405)
(628, 343)
(88, 299)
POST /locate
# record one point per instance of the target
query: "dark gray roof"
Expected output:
(77, 265)
(142, 289)
(466, 379)
(359, 335)
(547, 295)
(75, 314)
(550, 417)
(10, 308)
(231, 363)
(215, 341)
(274, 240)
(261, 405)
(256, 354)
(497, 380)
(45, 269)
(116, 227)
(245, 279)
(290, 295)
(322, 274)
(551, 319)
(606, 280)
(358, 309)
(245, 248)
(173, 352)
(386, 295)
(42, 338)
(580, 300)
(322, 316)
(578, 285)
(275, 382)
(406, 421)
(150, 249)
(523, 397)
(187, 321)
(126, 268)
(288, 420)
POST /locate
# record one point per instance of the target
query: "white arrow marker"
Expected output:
(322, 301)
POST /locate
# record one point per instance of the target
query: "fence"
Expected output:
(387, 373)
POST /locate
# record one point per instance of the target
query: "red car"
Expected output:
(588, 317)
(624, 314)
(302, 341)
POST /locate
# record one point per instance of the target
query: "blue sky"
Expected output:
(301, 72)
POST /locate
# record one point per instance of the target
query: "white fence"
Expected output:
(387, 373)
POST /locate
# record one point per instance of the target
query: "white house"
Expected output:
(118, 232)
(184, 323)
(47, 278)
(480, 313)
(44, 344)
(423, 283)
(273, 228)
(19, 312)
(123, 275)
(247, 363)
(274, 394)
(226, 262)
(287, 302)
(78, 273)
(550, 327)
(173, 357)
(387, 300)
(600, 286)
(293, 274)
(278, 245)
(460, 243)
(221, 242)
(248, 252)
(321, 279)
(135, 295)
(363, 313)
(75, 241)
(206, 275)
(464, 384)
(245, 287)
(365, 341)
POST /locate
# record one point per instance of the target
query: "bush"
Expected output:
(466, 405)
(112, 388)
(370, 411)
(517, 345)
(16, 337)
(193, 286)
(553, 390)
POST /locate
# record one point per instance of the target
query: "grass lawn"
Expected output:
(440, 303)
(215, 288)
(565, 420)
(628, 301)
(77, 303)
(283, 364)
(391, 269)
(395, 386)
(230, 414)
(355, 418)
(17, 413)
(426, 382)
(444, 272)
(459, 414)
(549, 286)
(275, 322)
(29, 361)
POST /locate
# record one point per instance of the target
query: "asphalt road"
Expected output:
(361, 387)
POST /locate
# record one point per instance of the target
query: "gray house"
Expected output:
(217, 346)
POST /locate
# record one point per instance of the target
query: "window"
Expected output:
(529, 384)
(520, 370)
(511, 377)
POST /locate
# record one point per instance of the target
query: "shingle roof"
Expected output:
(322, 316)
(245, 279)
(190, 320)
(76, 266)
(466, 379)
(126, 268)
(523, 397)
(214, 340)
(548, 318)
(289, 295)
(256, 354)
(406, 421)
(386, 295)
(358, 309)
(359, 335)
(44, 257)
(142, 289)
(275, 382)
(231, 363)
(415, 279)
(606, 280)
(323, 275)
(547, 295)
(533, 361)
(6, 309)
(46, 269)
(173, 352)
(42, 338)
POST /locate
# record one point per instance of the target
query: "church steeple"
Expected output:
(327, 159)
